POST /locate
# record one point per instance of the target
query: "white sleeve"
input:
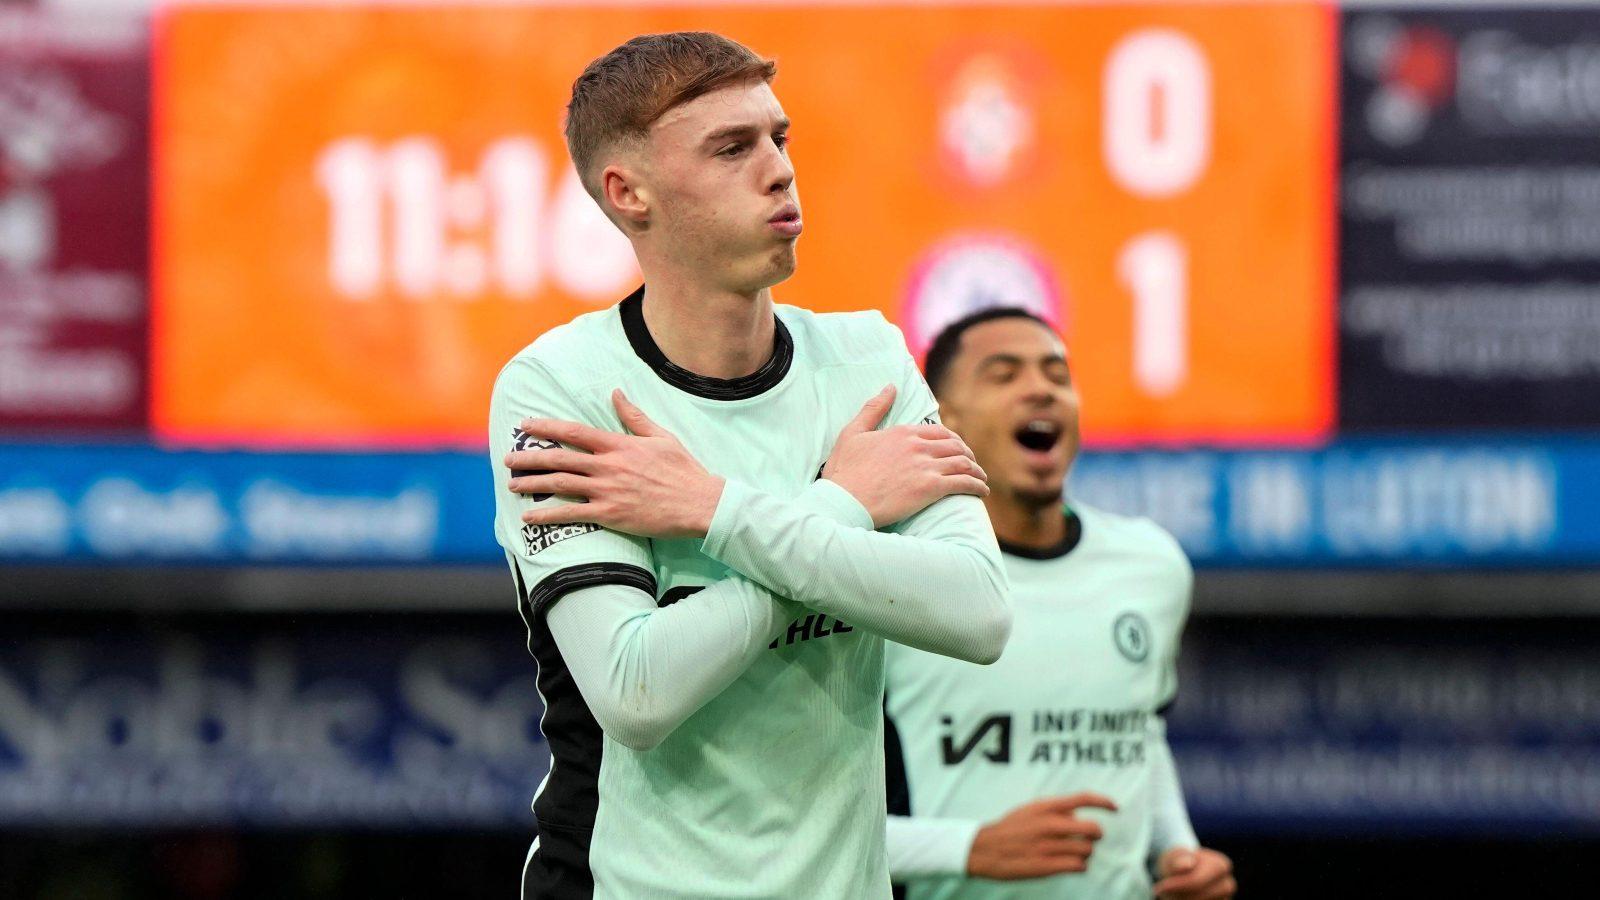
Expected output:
(1170, 826)
(642, 668)
(939, 586)
(923, 847)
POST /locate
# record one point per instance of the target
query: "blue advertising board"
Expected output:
(1309, 726)
(1358, 503)
(394, 721)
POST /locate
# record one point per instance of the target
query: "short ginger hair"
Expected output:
(621, 94)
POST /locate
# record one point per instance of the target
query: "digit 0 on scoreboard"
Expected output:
(361, 214)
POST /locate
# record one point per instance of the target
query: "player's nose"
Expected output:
(782, 176)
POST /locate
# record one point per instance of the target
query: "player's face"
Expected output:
(1009, 394)
(724, 193)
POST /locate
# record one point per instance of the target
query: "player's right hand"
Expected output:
(1041, 838)
(901, 470)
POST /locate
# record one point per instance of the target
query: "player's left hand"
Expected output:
(644, 483)
(1195, 875)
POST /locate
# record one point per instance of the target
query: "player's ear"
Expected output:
(626, 195)
(948, 417)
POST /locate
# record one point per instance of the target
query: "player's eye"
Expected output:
(731, 150)
(1002, 374)
(781, 140)
(1058, 373)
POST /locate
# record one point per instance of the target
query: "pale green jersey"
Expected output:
(1073, 705)
(773, 788)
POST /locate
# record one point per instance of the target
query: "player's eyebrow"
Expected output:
(742, 130)
(1012, 359)
(993, 359)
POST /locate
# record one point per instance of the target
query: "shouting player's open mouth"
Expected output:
(787, 221)
(1038, 438)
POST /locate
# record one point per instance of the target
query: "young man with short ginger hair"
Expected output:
(708, 586)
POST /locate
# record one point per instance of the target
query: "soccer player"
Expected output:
(710, 534)
(1046, 775)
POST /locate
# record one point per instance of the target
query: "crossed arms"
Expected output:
(644, 669)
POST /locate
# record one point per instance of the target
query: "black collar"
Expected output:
(757, 382)
(1062, 548)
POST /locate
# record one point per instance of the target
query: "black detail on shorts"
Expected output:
(565, 809)
(562, 582)
(756, 383)
(898, 791)
(1068, 542)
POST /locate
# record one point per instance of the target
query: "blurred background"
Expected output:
(1330, 276)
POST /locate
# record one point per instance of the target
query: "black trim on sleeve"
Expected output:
(1068, 542)
(744, 387)
(563, 581)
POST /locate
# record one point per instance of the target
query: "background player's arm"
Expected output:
(1170, 825)
(1169, 813)
(934, 582)
(1034, 840)
(1183, 870)
(926, 847)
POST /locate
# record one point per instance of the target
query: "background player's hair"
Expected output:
(942, 352)
(620, 94)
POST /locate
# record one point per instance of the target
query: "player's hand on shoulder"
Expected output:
(1038, 839)
(1195, 875)
(645, 482)
(900, 470)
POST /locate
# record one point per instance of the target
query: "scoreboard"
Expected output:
(361, 213)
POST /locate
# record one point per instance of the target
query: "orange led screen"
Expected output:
(362, 213)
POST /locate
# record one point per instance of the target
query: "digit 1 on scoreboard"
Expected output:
(1155, 267)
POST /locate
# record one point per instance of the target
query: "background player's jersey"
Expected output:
(774, 788)
(1071, 706)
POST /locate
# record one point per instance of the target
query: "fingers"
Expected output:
(963, 484)
(573, 434)
(1178, 862)
(1183, 887)
(633, 418)
(871, 414)
(563, 484)
(542, 461)
(949, 447)
(1068, 826)
(1063, 864)
(1084, 799)
(1075, 847)
(563, 514)
(1210, 878)
(961, 465)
